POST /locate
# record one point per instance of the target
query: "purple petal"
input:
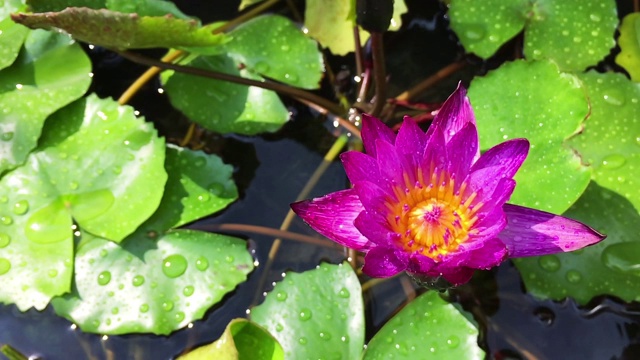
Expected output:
(375, 228)
(384, 262)
(373, 129)
(372, 197)
(462, 151)
(491, 217)
(360, 166)
(492, 253)
(389, 163)
(435, 154)
(421, 265)
(458, 276)
(531, 232)
(333, 216)
(455, 113)
(411, 139)
(501, 161)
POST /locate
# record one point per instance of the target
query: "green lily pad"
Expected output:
(534, 100)
(609, 142)
(573, 33)
(331, 22)
(274, 47)
(629, 41)
(242, 339)
(316, 314)
(118, 30)
(12, 35)
(147, 8)
(108, 160)
(200, 185)
(152, 285)
(609, 267)
(39, 6)
(223, 106)
(50, 72)
(427, 328)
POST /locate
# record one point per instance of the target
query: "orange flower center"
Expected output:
(432, 218)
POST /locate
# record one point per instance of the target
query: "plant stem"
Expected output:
(349, 126)
(269, 85)
(175, 54)
(431, 80)
(11, 353)
(379, 73)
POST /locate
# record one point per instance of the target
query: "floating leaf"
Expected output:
(152, 285)
(50, 72)
(272, 46)
(574, 33)
(316, 314)
(223, 106)
(609, 142)
(241, 339)
(39, 6)
(534, 100)
(122, 31)
(629, 41)
(427, 328)
(146, 8)
(12, 35)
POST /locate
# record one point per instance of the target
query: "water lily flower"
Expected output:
(431, 205)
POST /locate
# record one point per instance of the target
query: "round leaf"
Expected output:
(152, 285)
(274, 47)
(318, 313)
(50, 72)
(427, 328)
(223, 106)
(534, 100)
(12, 35)
(629, 41)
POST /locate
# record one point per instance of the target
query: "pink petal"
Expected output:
(462, 150)
(411, 139)
(373, 129)
(384, 262)
(435, 154)
(371, 196)
(492, 253)
(458, 276)
(375, 228)
(333, 216)
(389, 163)
(360, 166)
(531, 232)
(501, 161)
(455, 113)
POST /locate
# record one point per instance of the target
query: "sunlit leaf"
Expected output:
(50, 72)
(427, 328)
(609, 142)
(534, 100)
(122, 31)
(241, 339)
(316, 314)
(573, 33)
(274, 47)
(146, 8)
(223, 106)
(629, 56)
(57, 5)
(152, 285)
(12, 35)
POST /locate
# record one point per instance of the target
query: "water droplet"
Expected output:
(6, 136)
(279, 327)
(305, 314)
(174, 265)
(144, 308)
(115, 311)
(137, 280)
(21, 207)
(475, 32)
(167, 305)
(49, 224)
(103, 253)
(202, 263)
(595, 17)
(5, 266)
(614, 97)
(573, 276)
(5, 240)
(614, 161)
(229, 259)
(179, 316)
(545, 315)
(6, 220)
(291, 77)
(302, 341)
(453, 341)
(4, 198)
(104, 278)
(262, 67)
(281, 296)
(188, 290)
(549, 263)
(52, 273)
(117, 170)
(204, 197)
(73, 185)
(216, 189)
(344, 293)
(324, 335)
(623, 257)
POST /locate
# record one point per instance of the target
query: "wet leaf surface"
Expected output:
(629, 56)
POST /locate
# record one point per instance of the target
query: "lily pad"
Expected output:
(108, 160)
(331, 22)
(223, 106)
(147, 8)
(573, 33)
(50, 72)
(609, 143)
(316, 314)
(12, 35)
(118, 30)
(242, 339)
(39, 6)
(534, 100)
(427, 328)
(629, 41)
(152, 285)
(274, 47)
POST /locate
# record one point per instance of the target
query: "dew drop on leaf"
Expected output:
(614, 161)
(344, 293)
(179, 316)
(137, 280)
(52, 273)
(5, 266)
(167, 305)
(144, 308)
(453, 341)
(104, 278)
(305, 314)
(202, 263)
(573, 276)
(174, 265)
(622, 257)
(549, 263)
(281, 295)
(21, 207)
(6, 220)
(188, 290)
(5, 240)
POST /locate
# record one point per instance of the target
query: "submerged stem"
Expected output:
(431, 80)
(263, 230)
(379, 73)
